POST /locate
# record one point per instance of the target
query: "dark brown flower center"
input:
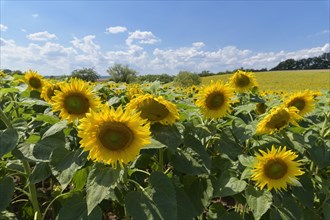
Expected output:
(153, 110)
(279, 120)
(242, 80)
(298, 103)
(275, 169)
(115, 136)
(215, 100)
(35, 82)
(51, 91)
(76, 104)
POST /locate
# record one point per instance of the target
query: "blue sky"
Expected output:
(56, 37)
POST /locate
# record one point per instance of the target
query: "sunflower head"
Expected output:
(260, 108)
(303, 101)
(34, 80)
(277, 119)
(48, 90)
(214, 100)
(243, 81)
(74, 99)
(133, 90)
(276, 168)
(113, 136)
(154, 109)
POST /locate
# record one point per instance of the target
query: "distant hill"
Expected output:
(320, 62)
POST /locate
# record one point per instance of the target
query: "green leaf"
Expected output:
(65, 163)
(163, 195)
(185, 207)
(247, 161)
(228, 185)
(76, 208)
(100, 179)
(228, 145)
(4, 91)
(241, 130)
(154, 145)
(7, 188)
(167, 135)
(140, 206)
(326, 211)
(258, 201)
(79, 179)
(320, 155)
(8, 140)
(199, 191)
(5, 215)
(47, 118)
(44, 148)
(305, 194)
(40, 172)
(55, 129)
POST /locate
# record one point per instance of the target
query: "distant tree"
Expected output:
(164, 78)
(7, 71)
(122, 73)
(186, 79)
(17, 72)
(205, 73)
(320, 62)
(87, 74)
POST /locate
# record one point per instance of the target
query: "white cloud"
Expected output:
(320, 33)
(41, 36)
(23, 30)
(3, 27)
(35, 15)
(55, 59)
(141, 37)
(115, 30)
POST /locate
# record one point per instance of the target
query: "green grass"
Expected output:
(294, 80)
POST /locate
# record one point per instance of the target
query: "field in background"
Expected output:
(294, 80)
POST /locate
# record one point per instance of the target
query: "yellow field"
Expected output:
(293, 80)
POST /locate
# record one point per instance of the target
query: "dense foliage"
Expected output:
(122, 73)
(320, 62)
(186, 79)
(195, 168)
(87, 74)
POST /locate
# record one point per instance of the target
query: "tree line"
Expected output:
(123, 73)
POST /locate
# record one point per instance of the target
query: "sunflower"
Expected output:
(113, 135)
(74, 99)
(154, 109)
(133, 90)
(277, 119)
(34, 80)
(48, 90)
(243, 81)
(260, 108)
(214, 100)
(303, 101)
(276, 168)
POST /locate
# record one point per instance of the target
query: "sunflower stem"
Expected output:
(5, 120)
(33, 192)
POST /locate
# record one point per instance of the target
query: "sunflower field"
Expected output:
(72, 149)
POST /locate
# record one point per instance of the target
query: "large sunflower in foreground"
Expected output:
(303, 101)
(277, 119)
(34, 80)
(74, 99)
(276, 168)
(113, 135)
(214, 100)
(155, 109)
(243, 81)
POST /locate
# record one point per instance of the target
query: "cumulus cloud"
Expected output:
(115, 29)
(141, 37)
(35, 15)
(3, 27)
(55, 59)
(41, 36)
